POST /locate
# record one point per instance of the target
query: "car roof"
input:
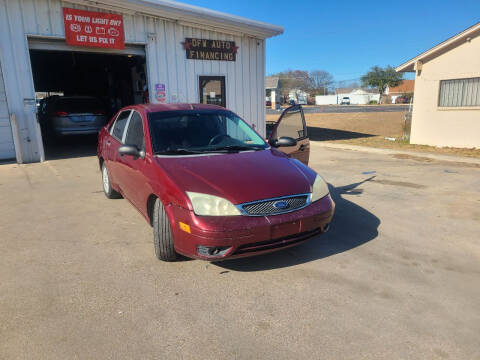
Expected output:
(173, 107)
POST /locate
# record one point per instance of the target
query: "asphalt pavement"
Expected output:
(334, 109)
(396, 277)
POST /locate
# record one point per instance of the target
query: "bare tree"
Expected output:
(315, 82)
(347, 84)
(320, 81)
(293, 79)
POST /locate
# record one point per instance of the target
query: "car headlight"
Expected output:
(209, 205)
(319, 189)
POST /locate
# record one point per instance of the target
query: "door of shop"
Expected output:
(112, 78)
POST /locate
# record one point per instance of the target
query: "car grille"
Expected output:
(271, 206)
(277, 243)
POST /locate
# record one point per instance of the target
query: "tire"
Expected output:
(162, 234)
(107, 186)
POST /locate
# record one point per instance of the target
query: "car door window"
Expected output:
(135, 134)
(119, 126)
(291, 125)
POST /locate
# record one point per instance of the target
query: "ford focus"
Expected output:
(210, 186)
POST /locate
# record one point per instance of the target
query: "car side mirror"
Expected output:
(131, 150)
(283, 141)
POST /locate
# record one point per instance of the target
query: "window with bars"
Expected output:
(459, 92)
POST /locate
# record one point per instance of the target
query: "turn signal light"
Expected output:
(185, 227)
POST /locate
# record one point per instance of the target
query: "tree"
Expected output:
(293, 79)
(380, 78)
(348, 84)
(315, 82)
(320, 82)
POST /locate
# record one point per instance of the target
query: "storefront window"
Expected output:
(212, 90)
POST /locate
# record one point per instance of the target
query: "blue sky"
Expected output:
(347, 37)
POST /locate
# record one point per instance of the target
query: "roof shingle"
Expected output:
(271, 82)
(405, 87)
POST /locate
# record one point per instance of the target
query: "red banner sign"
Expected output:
(93, 29)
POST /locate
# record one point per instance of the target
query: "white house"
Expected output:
(299, 96)
(357, 96)
(272, 90)
(446, 106)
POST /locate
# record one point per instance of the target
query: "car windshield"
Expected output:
(200, 131)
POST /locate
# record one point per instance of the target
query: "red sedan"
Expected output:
(209, 185)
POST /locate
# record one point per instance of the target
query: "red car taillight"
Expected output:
(60, 113)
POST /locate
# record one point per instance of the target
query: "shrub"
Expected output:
(373, 102)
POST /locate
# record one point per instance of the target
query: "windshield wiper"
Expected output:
(179, 152)
(234, 148)
(221, 149)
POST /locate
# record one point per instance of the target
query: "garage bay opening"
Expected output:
(78, 92)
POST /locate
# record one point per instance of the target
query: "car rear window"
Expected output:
(79, 105)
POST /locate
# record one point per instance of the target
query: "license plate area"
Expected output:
(85, 119)
(285, 229)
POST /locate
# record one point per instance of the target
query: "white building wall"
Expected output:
(166, 62)
(362, 99)
(326, 100)
(355, 99)
(7, 148)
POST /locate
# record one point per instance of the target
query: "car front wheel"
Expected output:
(107, 185)
(162, 234)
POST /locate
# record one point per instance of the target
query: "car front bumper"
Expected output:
(241, 236)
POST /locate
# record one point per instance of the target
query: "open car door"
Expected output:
(291, 124)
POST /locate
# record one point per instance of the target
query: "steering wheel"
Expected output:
(216, 139)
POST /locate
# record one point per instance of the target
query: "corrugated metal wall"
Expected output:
(166, 61)
(7, 148)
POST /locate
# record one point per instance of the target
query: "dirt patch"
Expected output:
(400, 183)
(369, 129)
(372, 123)
(412, 157)
(429, 160)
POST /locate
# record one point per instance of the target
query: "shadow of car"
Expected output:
(324, 134)
(351, 227)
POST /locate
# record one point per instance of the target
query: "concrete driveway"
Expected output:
(397, 277)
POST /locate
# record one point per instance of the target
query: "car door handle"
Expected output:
(302, 147)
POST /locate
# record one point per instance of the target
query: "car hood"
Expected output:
(239, 177)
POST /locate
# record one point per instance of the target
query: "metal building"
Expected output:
(178, 52)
